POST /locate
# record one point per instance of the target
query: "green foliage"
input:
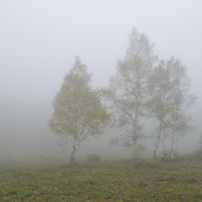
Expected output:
(78, 111)
(93, 158)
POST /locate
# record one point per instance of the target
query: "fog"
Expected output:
(40, 39)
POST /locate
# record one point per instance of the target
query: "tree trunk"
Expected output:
(164, 147)
(72, 158)
(173, 142)
(135, 152)
(172, 154)
(154, 154)
(157, 145)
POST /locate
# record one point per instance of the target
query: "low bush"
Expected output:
(198, 153)
(93, 157)
(146, 164)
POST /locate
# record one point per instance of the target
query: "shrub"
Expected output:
(198, 153)
(146, 164)
(93, 157)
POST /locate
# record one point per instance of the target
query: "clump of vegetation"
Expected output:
(146, 164)
(93, 157)
(198, 153)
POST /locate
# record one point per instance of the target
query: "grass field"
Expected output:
(124, 180)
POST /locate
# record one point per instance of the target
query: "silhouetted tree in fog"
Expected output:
(159, 88)
(169, 100)
(78, 111)
(127, 91)
(180, 101)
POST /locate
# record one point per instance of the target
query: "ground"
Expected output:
(52, 179)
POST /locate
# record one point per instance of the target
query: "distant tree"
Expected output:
(78, 111)
(159, 88)
(180, 101)
(169, 88)
(127, 91)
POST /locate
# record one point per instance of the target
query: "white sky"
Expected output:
(39, 40)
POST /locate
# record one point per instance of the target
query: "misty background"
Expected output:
(40, 39)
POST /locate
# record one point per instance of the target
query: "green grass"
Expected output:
(54, 180)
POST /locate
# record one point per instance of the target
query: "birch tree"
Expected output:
(180, 101)
(159, 88)
(169, 88)
(78, 111)
(127, 92)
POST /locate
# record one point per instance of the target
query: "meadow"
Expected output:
(53, 179)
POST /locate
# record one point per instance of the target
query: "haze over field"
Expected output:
(40, 39)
